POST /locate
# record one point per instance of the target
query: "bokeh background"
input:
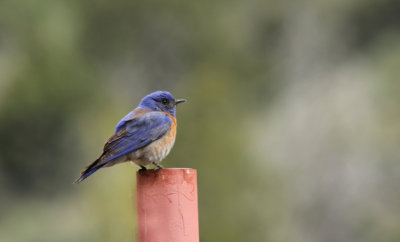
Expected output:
(292, 119)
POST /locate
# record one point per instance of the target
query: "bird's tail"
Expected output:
(89, 170)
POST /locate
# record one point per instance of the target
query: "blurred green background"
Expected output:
(292, 119)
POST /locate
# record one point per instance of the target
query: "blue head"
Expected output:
(160, 101)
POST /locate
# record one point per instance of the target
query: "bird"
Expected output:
(144, 136)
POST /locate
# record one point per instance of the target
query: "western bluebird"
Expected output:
(144, 136)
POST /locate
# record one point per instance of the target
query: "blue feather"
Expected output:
(125, 119)
(86, 173)
(138, 133)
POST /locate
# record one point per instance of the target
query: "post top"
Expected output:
(168, 171)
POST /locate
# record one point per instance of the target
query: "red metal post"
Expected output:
(167, 205)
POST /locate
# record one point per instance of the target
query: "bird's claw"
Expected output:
(159, 167)
(142, 169)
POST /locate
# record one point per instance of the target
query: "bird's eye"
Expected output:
(164, 101)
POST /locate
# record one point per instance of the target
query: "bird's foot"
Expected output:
(143, 168)
(159, 167)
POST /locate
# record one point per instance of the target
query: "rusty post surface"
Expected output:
(167, 205)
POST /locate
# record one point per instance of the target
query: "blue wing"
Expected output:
(124, 120)
(132, 135)
(137, 133)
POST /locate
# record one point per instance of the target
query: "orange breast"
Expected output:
(170, 137)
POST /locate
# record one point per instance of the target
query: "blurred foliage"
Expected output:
(292, 117)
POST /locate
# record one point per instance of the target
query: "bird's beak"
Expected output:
(180, 101)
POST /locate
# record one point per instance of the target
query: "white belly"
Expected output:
(154, 152)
